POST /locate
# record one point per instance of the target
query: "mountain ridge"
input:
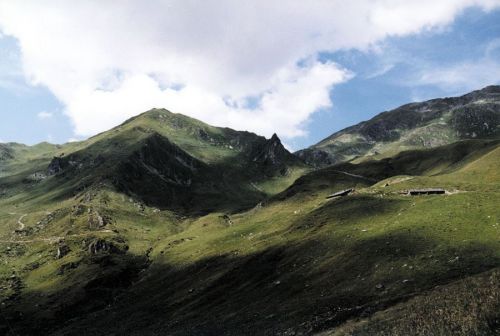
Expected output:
(415, 125)
(171, 155)
(167, 225)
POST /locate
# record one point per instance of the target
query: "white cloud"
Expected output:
(382, 70)
(44, 115)
(106, 61)
(464, 76)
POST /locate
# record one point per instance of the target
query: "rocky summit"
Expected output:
(165, 225)
(427, 124)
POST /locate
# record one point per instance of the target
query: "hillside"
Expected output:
(164, 159)
(427, 124)
(167, 226)
(299, 262)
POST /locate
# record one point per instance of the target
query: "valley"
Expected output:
(165, 225)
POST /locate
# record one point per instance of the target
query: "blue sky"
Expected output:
(30, 113)
(305, 96)
(465, 41)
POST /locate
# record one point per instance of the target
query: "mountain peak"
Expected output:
(491, 89)
(274, 155)
(432, 123)
(275, 138)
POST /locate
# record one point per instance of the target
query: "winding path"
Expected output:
(20, 222)
(53, 239)
(354, 175)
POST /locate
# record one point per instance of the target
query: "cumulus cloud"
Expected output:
(44, 115)
(464, 76)
(285, 104)
(248, 65)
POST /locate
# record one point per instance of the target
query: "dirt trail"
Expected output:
(256, 187)
(354, 175)
(20, 222)
(53, 239)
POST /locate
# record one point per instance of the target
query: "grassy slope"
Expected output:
(299, 262)
(60, 211)
(226, 152)
(427, 124)
(468, 306)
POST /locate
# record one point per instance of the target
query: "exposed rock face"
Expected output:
(62, 250)
(170, 161)
(316, 157)
(204, 135)
(159, 170)
(159, 157)
(6, 153)
(103, 246)
(74, 161)
(77, 210)
(273, 156)
(477, 121)
(56, 166)
(427, 124)
(272, 152)
(36, 177)
(96, 221)
(227, 219)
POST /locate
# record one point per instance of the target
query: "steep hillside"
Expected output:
(167, 226)
(164, 159)
(427, 124)
(80, 219)
(100, 263)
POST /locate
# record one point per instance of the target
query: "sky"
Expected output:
(301, 69)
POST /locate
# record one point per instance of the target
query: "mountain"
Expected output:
(166, 160)
(427, 124)
(165, 225)
(299, 263)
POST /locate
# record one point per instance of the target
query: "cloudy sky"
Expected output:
(302, 69)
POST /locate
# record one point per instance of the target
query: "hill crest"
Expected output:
(427, 124)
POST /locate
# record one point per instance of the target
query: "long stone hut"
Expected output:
(426, 191)
(341, 193)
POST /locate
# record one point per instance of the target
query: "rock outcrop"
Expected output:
(273, 157)
(56, 166)
(432, 123)
(62, 250)
(98, 246)
(6, 153)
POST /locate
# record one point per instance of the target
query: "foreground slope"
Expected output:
(302, 263)
(103, 263)
(426, 124)
(73, 216)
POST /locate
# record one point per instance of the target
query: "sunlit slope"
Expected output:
(428, 124)
(164, 159)
(300, 262)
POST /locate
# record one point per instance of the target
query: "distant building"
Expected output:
(341, 193)
(427, 191)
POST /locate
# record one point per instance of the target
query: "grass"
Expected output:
(297, 262)
(466, 307)
(414, 126)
